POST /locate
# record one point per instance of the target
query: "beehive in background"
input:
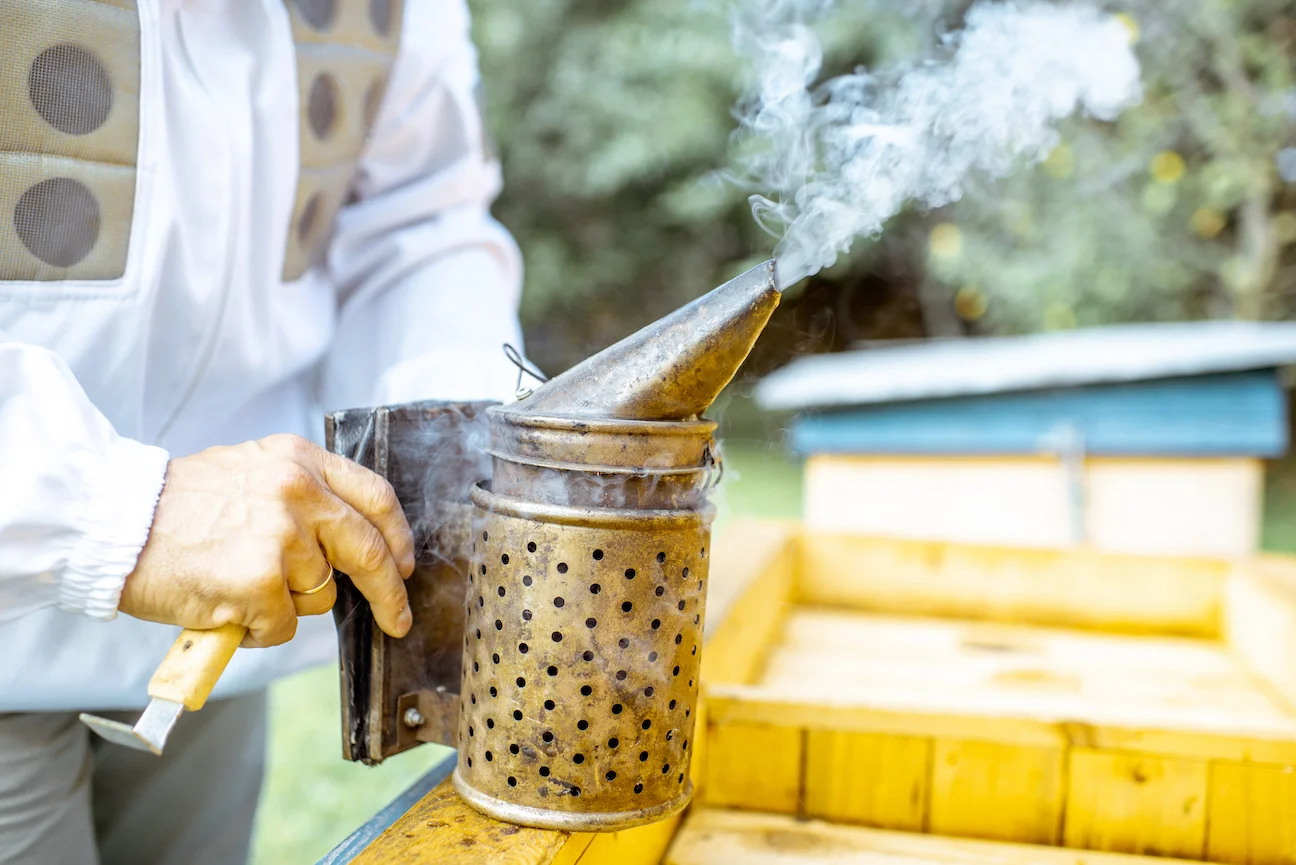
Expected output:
(1146, 438)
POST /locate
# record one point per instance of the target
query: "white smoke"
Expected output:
(837, 159)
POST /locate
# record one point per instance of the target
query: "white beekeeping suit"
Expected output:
(218, 218)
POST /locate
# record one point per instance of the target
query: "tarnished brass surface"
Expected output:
(581, 663)
(674, 368)
(587, 580)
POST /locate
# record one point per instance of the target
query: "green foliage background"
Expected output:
(613, 123)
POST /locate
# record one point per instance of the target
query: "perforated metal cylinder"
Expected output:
(581, 658)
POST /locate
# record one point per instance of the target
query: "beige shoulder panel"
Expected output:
(69, 133)
(345, 49)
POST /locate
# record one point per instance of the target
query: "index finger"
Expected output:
(375, 500)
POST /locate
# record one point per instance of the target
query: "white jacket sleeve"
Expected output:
(76, 499)
(429, 283)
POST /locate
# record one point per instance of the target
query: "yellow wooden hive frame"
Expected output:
(1226, 795)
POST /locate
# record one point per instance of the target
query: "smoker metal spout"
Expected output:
(674, 368)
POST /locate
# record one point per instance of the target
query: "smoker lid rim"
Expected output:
(598, 469)
(512, 506)
(582, 423)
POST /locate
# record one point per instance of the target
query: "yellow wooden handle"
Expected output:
(196, 660)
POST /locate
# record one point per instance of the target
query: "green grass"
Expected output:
(313, 798)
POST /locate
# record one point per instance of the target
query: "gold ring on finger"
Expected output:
(322, 585)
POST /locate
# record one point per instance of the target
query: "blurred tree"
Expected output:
(613, 121)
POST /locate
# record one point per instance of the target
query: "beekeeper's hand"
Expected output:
(241, 532)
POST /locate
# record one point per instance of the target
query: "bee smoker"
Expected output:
(587, 578)
(585, 541)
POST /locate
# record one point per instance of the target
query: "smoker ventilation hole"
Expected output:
(684, 745)
(670, 734)
(485, 536)
(652, 656)
(578, 758)
(490, 723)
(474, 699)
(513, 749)
(549, 704)
(616, 708)
(685, 573)
(544, 771)
(587, 655)
(621, 674)
(598, 555)
(517, 714)
(562, 567)
(586, 690)
(476, 666)
(479, 633)
(489, 756)
(558, 602)
(703, 553)
(501, 594)
(672, 704)
(582, 724)
(656, 623)
(495, 658)
(666, 769)
(686, 712)
(623, 643)
(679, 638)
(504, 561)
(531, 547)
(481, 602)
(556, 636)
(648, 691)
(626, 607)
(575, 791)
(661, 590)
(483, 570)
(470, 762)
(499, 626)
(591, 622)
(638, 788)
(630, 573)
(493, 692)
(643, 756)
(512, 782)
(699, 585)
(675, 672)
(523, 648)
(521, 682)
(697, 620)
(526, 580)
(646, 724)
(526, 615)
(552, 670)
(547, 736)
(690, 683)
(695, 650)
(680, 605)
(595, 589)
(611, 776)
(613, 742)
(681, 778)
(470, 731)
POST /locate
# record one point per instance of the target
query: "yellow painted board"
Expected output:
(1252, 816)
(872, 780)
(1074, 587)
(754, 766)
(1131, 803)
(1260, 620)
(442, 828)
(643, 845)
(999, 792)
(713, 837)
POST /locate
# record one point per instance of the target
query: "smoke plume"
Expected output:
(835, 160)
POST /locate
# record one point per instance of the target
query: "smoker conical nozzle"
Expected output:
(674, 368)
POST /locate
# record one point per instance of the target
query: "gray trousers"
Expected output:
(69, 798)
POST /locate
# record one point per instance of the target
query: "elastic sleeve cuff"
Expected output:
(114, 517)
